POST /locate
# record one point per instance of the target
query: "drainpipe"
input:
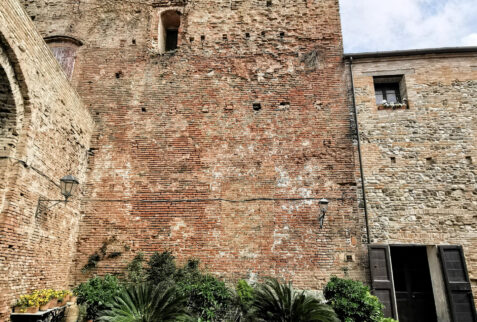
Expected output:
(355, 114)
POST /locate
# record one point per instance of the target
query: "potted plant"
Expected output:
(27, 304)
(63, 297)
(47, 299)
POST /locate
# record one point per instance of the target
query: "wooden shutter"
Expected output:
(382, 278)
(459, 292)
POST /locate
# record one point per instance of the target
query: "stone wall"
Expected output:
(45, 134)
(221, 149)
(420, 163)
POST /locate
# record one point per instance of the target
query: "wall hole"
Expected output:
(33, 18)
(282, 34)
(224, 37)
(269, 3)
(119, 74)
(393, 160)
(191, 39)
(468, 159)
(143, 109)
(202, 38)
(349, 258)
(247, 35)
(429, 161)
(133, 41)
(263, 33)
(257, 106)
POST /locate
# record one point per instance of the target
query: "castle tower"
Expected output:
(220, 124)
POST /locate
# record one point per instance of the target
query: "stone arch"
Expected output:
(13, 113)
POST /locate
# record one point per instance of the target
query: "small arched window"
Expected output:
(64, 49)
(169, 30)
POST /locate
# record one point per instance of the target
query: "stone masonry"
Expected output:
(45, 134)
(420, 163)
(221, 149)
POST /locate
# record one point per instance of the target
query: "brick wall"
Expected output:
(181, 127)
(45, 135)
(426, 195)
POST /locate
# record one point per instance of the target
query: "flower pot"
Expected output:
(22, 309)
(52, 303)
(45, 307)
(32, 309)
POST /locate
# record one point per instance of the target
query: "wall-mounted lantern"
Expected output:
(323, 208)
(68, 186)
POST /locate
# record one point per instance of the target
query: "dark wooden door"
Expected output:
(382, 278)
(412, 284)
(459, 292)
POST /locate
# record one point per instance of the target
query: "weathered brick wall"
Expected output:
(46, 136)
(428, 195)
(181, 127)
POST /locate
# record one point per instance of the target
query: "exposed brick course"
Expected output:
(182, 126)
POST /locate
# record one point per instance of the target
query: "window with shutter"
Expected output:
(457, 282)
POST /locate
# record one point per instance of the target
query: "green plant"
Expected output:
(161, 268)
(352, 301)
(280, 302)
(96, 293)
(135, 270)
(387, 320)
(208, 297)
(245, 294)
(146, 303)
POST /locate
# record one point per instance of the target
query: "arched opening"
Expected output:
(8, 124)
(12, 113)
(169, 30)
(64, 49)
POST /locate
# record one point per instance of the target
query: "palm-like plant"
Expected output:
(279, 302)
(146, 303)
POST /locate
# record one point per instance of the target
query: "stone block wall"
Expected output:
(45, 134)
(221, 149)
(420, 163)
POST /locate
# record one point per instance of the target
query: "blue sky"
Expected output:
(379, 25)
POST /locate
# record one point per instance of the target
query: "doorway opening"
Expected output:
(412, 284)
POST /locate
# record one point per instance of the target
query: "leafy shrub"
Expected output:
(352, 301)
(280, 302)
(136, 273)
(146, 303)
(208, 297)
(245, 294)
(162, 268)
(96, 293)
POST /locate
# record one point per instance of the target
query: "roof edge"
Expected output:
(411, 52)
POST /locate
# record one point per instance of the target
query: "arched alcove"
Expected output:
(64, 49)
(169, 24)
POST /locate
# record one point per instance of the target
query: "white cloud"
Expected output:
(470, 40)
(376, 25)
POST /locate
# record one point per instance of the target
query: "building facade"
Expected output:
(417, 126)
(212, 129)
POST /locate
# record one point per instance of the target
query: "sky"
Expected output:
(381, 25)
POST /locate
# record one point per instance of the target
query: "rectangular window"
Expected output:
(390, 91)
